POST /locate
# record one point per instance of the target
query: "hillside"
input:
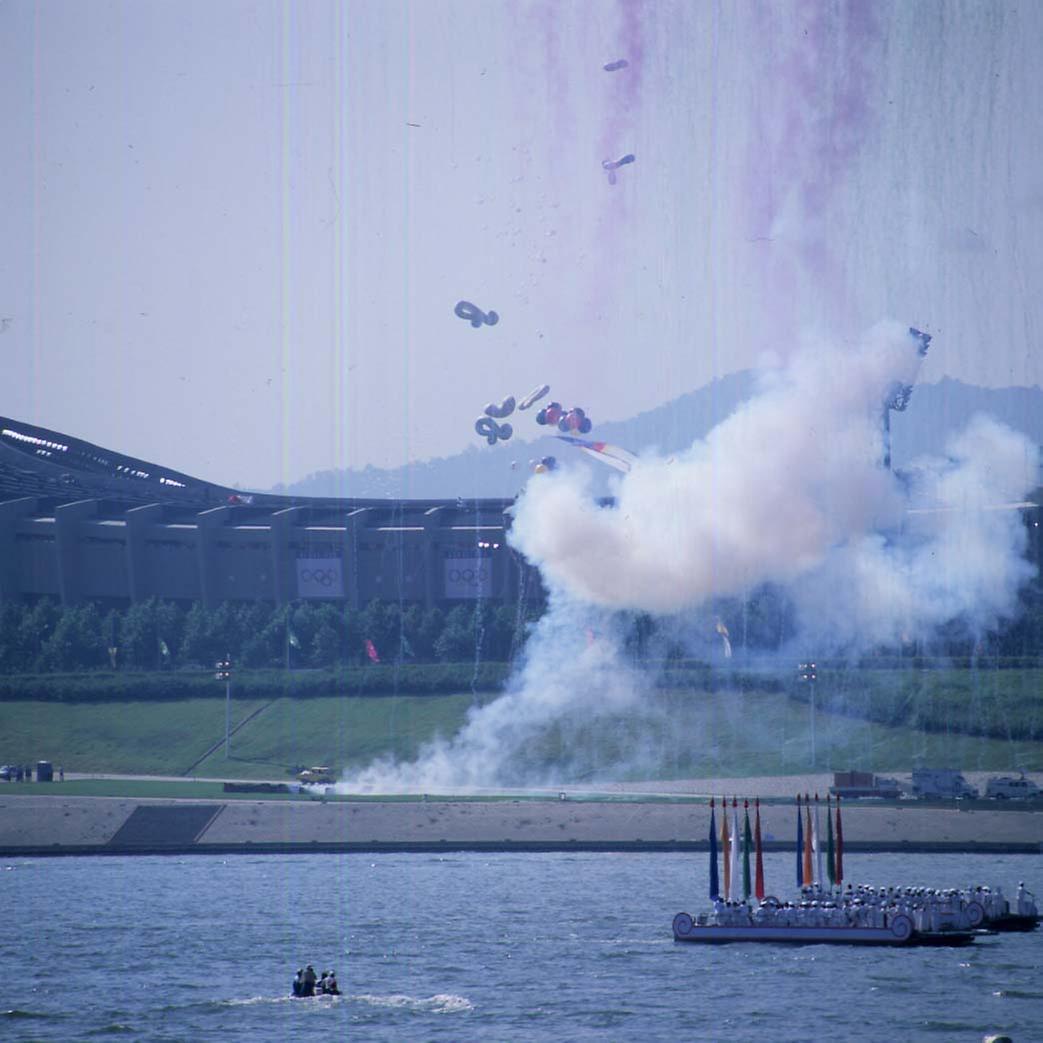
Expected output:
(936, 411)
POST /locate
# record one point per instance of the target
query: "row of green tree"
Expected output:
(44, 637)
(155, 634)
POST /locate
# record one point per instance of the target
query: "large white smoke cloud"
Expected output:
(789, 490)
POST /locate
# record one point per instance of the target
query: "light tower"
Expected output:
(898, 396)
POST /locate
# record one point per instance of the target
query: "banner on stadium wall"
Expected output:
(320, 578)
(468, 577)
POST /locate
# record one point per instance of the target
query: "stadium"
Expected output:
(81, 523)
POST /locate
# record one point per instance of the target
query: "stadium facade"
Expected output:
(81, 523)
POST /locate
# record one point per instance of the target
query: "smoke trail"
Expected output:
(565, 680)
(816, 113)
(789, 491)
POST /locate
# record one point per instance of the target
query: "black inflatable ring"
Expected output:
(975, 914)
(902, 927)
(682, 924)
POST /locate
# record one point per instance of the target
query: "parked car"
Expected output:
(7, 772)
(1010, 787)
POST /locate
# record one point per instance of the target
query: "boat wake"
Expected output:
(443, 1003)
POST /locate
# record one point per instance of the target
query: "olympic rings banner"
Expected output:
(320, 578)
(468, 578)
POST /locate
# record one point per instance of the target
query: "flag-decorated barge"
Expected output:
(826, 912)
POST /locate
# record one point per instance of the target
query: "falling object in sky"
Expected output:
(619, 63)
(475, 315)
(550, 414)
(723, 631)
(604, 452)
(612, 165)
(576, 421)
(534, 396)
(491, 431)
(502, 409)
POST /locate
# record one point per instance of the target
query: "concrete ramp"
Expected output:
(158, 825)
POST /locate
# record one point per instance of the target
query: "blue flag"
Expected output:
(800, 847)
(715, 885)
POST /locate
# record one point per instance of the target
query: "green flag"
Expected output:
(747, 844)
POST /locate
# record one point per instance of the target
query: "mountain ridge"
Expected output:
(936, 411)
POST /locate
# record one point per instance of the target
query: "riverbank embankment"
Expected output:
(54, 824)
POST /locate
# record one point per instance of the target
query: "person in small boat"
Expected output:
(308, 981)
(298, 982)
(331, 984)
(321, 987)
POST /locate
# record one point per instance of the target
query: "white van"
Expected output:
(1010, 787)
(941, 784)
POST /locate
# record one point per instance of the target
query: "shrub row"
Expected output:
(99, 686)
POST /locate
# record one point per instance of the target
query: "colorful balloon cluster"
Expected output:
(574, 420)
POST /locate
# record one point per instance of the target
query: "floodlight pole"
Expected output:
(813, 721)
(224, 673)
(809, 674)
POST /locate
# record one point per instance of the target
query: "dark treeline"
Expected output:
(44, 637)
(161, 635)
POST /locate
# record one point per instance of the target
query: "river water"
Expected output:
(465, 946)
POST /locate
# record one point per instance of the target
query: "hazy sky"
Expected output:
(225, 246)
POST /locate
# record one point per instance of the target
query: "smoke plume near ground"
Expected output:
(789, 491)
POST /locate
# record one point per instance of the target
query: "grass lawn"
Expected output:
(167, 737)
(674, 734)
(154, 738)
(685, 734)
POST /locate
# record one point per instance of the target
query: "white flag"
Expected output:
(733, 855)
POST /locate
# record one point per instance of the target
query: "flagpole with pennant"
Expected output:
(726, 850)
(800, 846)
(715, 884)
(759, 881)
(816, 840)
(840, 847)
(735, 848)
(747, 843)
(807, 841)
(831, 867)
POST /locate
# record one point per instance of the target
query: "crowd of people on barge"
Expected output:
(930, 909)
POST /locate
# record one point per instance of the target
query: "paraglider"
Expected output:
(619, 63)
(604, 452)
(501, 409)
(612, 165)
(474, 315)
(534, 396)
